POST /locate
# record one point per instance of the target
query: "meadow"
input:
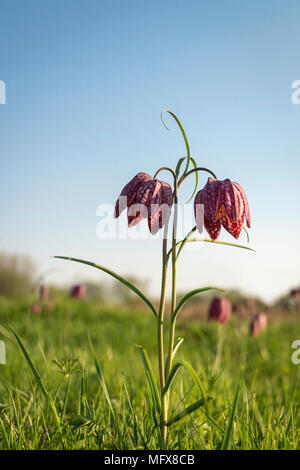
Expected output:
(55, 394)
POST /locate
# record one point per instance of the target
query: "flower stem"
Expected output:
(173, 297)
(163, 373)
(185, 175)
(160, 338)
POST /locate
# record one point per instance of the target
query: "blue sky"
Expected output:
(86, 82)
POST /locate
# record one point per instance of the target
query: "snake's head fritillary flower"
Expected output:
(78, 292)
(44, 292)
(128, 194)
(153, 201)
(219, 310)
(36, 308)
(259, 323)
(221, 203)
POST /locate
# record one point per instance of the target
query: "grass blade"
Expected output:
(225, 445)
(37, 376)
(171, 377)
(150, 377)
(187, 411)
(101, 378)
(192, 372)
(196, 378)
(31, 365)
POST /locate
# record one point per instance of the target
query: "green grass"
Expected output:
(73, 404)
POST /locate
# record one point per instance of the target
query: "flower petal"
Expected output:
(167, 193)
(129, 191)
(135, 214)
(164, 213)
(232, 200)
(157, 197)
(247, 208)
(134, 219)
(149, 193)
(213, 228)
(199, 210)
(154, 221)
(210, 197)
(234, 228)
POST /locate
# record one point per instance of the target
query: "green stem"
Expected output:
(160, 325)
(185, 240)
(185, 175)
(173, 297)
(160, 338)
(188, 153)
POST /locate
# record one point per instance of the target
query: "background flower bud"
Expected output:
(78, 291)
(258, 323)
(43, 292)
(36, 308)
(219, 310)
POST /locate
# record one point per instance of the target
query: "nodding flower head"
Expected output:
(129, 192)
(78, 292)
(258, 323)
(219, 310)
(44, 292)
(221, 203)
(36, 308)
(146, 198)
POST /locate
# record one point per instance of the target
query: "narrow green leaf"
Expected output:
(78, 421)
(115, 275)
(178, 166)
(171, 377)
(182, 132)
(4, 406)
(150, 377)
(137, 428)
(101, 378)
(196, 178)
(226, 438)
(31, 365)
(192, 372)
(176, 347)
(37, 376)
(219, 242)
(196, 378)
(188, 296)
(66, 398)
(187, 411)
(186, 239)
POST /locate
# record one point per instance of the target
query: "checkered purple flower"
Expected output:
(224, 203)
(148, 198)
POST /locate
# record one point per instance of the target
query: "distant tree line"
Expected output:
(16, 275)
